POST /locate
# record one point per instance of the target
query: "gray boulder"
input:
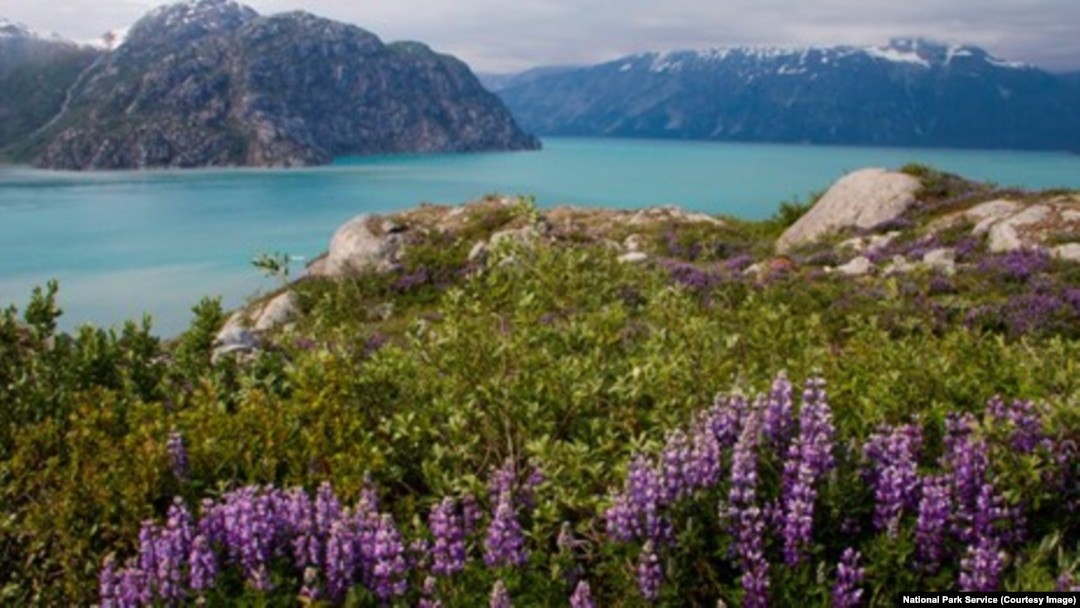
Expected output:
(362, 243)
(277, 312)
(234, 340)
(942, 259)
(857, 267)
(862, 199)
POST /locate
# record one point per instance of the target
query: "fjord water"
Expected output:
(123, 244)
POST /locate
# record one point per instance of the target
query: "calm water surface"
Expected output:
(127, 243)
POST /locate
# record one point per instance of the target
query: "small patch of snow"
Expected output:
(896, 55)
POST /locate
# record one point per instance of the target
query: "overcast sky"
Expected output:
(510, 35)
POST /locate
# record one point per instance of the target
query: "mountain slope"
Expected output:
(211, 83)
(910, 93)
(35, 74)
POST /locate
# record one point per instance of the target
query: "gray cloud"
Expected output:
(495, 35)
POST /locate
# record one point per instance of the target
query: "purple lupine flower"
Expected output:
(365, 525)
(109, 583)
(815, 423)
(389, 569)
(966, 459)
(703, 471)
(148, 561)
(742, 507)
(448, 551)
(342, 560)
(427, 594)
(499, 596)
(203, 565)
(935, 506)
(502, 480)
(178, 456)
(779, 412)
(673, 467)
(621, 519)
(327, 508)
(755, 579)
(212, 522)
(298, 514)
(650, 575)
(582, 596)
(893, 453)
(135, 588)
(989, 510)
(981, 566)
(252, 530)
(170, 562)
(724, 418)
(1066, 583)
(809, 458)
(1024, 420)
(643, 487)
(504, 543)
(846, 591)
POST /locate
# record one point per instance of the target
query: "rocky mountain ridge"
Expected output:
(911, 92)
(212, 83)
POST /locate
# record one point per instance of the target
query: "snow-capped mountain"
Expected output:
(911, 92)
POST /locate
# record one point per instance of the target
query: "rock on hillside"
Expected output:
(862, 199)
(212, 83)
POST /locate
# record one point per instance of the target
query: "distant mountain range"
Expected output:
(212, 83)
(911, 92)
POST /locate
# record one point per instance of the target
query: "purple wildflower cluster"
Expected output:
(809, 458)
(1019, 266)
(690, 275)
(849, 575)
(328, 548)
(736, 430)
(894, 454)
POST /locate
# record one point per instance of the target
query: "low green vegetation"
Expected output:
(556, 423)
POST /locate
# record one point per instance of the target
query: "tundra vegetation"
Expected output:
(551, 426)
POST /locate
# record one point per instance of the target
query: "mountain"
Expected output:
(35, 73)
(212, 83)
(909, 93)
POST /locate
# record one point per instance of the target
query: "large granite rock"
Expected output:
(364, 242)
(862, 199)
(212, 83)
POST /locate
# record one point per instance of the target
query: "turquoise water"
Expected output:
(127, 243)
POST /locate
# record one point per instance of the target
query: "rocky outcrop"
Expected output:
(212, 83)
(1010, 225)
(862, 199)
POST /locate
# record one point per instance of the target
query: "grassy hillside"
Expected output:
(554, 421)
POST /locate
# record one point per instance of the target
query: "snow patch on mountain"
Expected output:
(896, 55)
